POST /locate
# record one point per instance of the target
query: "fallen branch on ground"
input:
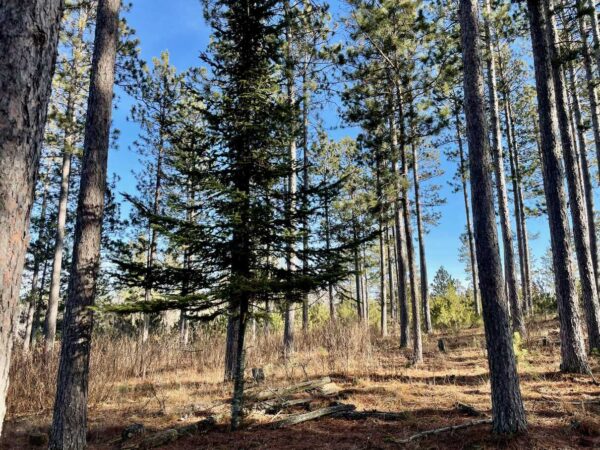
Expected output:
(172, 434)
(379, 415)
(282, 392)
(423, 434)
(299, 418)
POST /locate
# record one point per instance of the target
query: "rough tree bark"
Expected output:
(578, 209)
(516, 310)
(70, 407)
(572, 349)
(508, 414)
(585, 171)
(28, 40)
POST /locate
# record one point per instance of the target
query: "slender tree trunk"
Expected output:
(34, 293)
(572, 347)
(578, 209)
(410, 252)
(28, 40)
(523, 223)
(421, 238)
(39, 306)
(59, 242)
(590, 83)
(382, 254)
(390, 272)
(289, 313)
(305, 203)
(463, 179)
(591, 10)
(508, 414)
(399, 230)
(585, 172)
(70, 408)
(153, 244)
(328, 248)
(517, 193)
(518, 323)
(357, 274)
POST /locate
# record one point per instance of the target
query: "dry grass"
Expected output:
(158, 383)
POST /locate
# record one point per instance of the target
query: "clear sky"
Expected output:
(178, 26)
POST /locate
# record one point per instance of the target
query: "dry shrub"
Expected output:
(123, 363)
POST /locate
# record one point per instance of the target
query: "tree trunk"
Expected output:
(591, 10)
(59, 242)
(328, 248)
(517, 194)
(382, 254)
(28, 40)
(508, 414)
(412, 271)
(399, 231)
(390, 272)
(585, 172)
(289, 314)
(70, 408)
(518, 324)
(578, 209)
(421, 238)
(590, 84)
(463, 179)
(572, 348)
(305, 203)
(231, 344)
(34, 293)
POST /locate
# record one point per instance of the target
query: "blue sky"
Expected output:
(178, 26)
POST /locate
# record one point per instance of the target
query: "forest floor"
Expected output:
(563, 410)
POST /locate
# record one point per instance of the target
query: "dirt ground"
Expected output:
(563, 410)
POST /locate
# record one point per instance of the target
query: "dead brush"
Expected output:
(119, 363)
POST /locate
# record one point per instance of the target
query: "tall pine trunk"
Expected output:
(573, 358)
(590, 83)
(59, 242)
(28, 40)
(421, 239)
(508, 414)
(518, 323)
(578, 209)
(398, 227)
(382, 253)
(585, 171)
(470, 237)
(69, 422)
(410, 252)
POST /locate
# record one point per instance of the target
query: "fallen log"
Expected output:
(299, 418)
(172, 434)
(379, 415)
(275, 407)
(282, 392)
(423, 434)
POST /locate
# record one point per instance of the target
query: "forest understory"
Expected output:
(164, 386)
